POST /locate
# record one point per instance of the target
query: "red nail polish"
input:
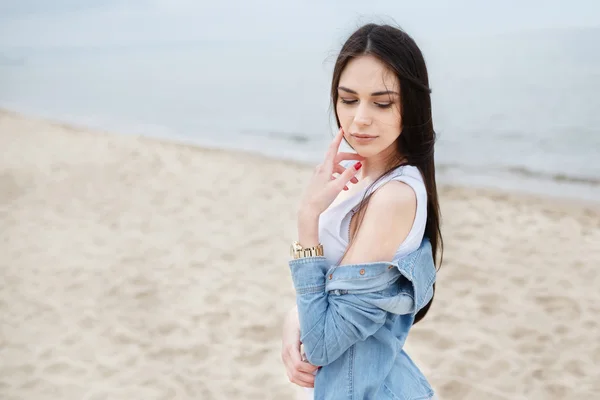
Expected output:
(358, 165)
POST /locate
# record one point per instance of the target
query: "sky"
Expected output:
(42, 23)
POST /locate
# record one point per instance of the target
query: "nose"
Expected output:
(362, 117)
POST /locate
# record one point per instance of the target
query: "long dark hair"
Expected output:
(415, 145)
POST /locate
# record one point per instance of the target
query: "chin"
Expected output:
(366, 151)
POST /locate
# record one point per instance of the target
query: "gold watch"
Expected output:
(297, 251)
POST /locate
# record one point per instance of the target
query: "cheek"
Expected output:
(342, 113)
(393, 122)
(345, 117)
(395, 116)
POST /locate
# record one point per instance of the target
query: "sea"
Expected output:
(515, 85)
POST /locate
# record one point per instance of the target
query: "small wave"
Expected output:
(522, 172)
(288, 137)
(292, 137)
(558, 177)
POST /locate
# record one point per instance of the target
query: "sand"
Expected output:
(134, 268)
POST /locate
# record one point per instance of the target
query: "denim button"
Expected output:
(362, 272)
(330, 276)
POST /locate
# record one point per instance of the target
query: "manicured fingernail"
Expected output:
(345, 187)
(358, 165)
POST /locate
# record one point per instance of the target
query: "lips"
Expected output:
(363, 139)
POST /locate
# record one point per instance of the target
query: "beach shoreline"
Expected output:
(137, 267)
(551, 198)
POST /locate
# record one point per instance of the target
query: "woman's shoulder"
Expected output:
(386, 224)
(405, 181)
(411, 176)
(395, 194)
(396, 202)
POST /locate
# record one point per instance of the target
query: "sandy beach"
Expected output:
(134, 268)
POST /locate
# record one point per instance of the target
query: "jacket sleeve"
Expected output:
(330, 324)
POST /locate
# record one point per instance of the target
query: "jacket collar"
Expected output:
(417, 267)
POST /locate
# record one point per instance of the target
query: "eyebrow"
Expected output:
(345, 89)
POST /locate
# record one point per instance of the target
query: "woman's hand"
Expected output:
(298, 371)
(324, 187)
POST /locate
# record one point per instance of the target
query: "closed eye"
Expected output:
(380, 105)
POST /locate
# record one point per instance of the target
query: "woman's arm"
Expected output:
(298, 371)
(330, 324)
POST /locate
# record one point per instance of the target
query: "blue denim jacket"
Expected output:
(354, 320)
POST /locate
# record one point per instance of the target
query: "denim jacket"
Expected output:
(354, 320)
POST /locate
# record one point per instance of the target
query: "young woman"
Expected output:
(364, 263)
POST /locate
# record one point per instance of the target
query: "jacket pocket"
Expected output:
(406, 382)
(389, 394)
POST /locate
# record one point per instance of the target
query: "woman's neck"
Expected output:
(375, 166)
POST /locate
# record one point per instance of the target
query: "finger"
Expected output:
(348, 174)
(334, 147)
(340, 170)
(348, 156)
(333, 178)
(304, 380)
(297, 364)
(299, 372)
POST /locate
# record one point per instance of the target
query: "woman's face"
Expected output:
(368, 106)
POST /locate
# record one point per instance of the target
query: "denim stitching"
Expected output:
(350, 373)
(310, 289)
(393, 396)
(389, 392)
(318, 342)
(359, 278)
(306, 260)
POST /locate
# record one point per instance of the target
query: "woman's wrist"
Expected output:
(308, 227)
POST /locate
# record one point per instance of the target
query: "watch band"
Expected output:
(299, 252)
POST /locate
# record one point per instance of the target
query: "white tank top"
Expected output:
(334, 223)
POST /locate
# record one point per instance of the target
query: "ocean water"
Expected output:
(515, 109)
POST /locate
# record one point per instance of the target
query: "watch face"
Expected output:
(293, 248)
